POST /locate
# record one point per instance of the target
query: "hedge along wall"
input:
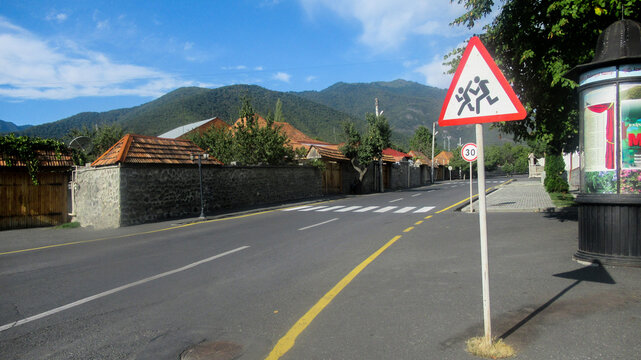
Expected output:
(154, 193)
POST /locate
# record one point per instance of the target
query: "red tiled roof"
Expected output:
(420, 158)
(328, 152)
(140, 149)
(47, 158)
(391, 155)
(443, 158)
(297, 138)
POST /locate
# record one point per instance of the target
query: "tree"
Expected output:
(457, 162)
(362, 150)
(535, 43)
(278, 113)
(352, 149)
(217, 142)
(422, 141)
(512, 159)
(101, 139)
(255, 144)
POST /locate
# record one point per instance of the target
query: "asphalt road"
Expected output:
(245, 281)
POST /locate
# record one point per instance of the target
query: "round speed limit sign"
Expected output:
(469, 152)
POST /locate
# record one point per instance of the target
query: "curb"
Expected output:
(487, 192)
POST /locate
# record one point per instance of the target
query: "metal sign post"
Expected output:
(469, 153)
(479, 93)
(471, 189)
(485, 273)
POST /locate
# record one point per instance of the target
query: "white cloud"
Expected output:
(58, 17)
(33, 68)
(310, 78)
(188, 45)
(237, 67)
(259, 68)
(285, 77)
(386, 24)
(434, 73)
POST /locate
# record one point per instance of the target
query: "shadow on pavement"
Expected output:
(564, 214)
(590, 273)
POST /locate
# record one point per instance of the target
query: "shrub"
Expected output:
(554, 181)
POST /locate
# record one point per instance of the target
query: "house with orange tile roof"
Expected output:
(420, 158)
(141, 149)
(391, 155)
(441, 163)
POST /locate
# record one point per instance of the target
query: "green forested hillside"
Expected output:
(319, 114)
(9, 127)
(405, 104)
(187, 105)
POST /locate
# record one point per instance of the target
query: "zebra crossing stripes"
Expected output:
(366, 209)
(363, 209)
(331, 208)
(314, 208)
(349, 208)
(385, 209)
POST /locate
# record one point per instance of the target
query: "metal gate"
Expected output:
(332, 180)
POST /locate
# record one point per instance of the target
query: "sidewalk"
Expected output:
(520, 195)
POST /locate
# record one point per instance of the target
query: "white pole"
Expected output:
(433, 136)
(485, 274)
(471, 188)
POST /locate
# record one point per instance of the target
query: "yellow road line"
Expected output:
(428, 217)
(287, 342)
(475, 195)
(408, 229)
(418, 222)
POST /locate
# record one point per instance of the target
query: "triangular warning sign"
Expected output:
(479, 92)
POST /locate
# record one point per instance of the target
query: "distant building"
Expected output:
(199, 127)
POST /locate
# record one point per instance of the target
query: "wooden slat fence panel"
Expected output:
(24, 205)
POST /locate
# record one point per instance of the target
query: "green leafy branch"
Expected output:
(25, 149)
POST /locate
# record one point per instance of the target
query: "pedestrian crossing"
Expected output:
(363, 209)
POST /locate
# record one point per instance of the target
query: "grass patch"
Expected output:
(69, 225)
(480, 347)
(562, 199)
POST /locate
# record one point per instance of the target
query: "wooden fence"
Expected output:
(24, 205)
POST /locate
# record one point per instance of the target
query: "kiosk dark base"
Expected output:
(609, 229)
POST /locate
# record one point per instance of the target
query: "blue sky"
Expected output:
(59, 58)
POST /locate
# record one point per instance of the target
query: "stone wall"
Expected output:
(138, 194)
(399, 178)
(96, 195)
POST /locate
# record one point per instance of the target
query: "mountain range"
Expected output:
(9, 127)
(319, 114)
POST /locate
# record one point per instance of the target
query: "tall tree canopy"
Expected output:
(422, 141)
(363, 149)
(535, 43)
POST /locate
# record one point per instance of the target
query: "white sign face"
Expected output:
(469, 152)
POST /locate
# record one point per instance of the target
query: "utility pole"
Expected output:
(433, 138)
(380, 159)
(448, 142)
